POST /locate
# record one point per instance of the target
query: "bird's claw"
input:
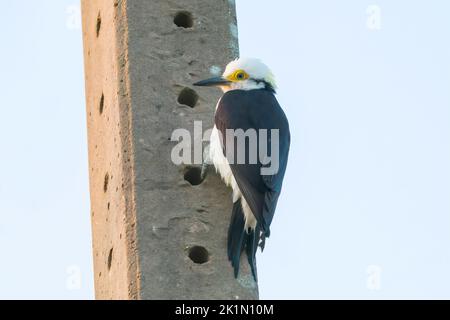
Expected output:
(205, 169)
(206, 163)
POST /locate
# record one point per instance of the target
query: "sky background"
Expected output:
(365, 210)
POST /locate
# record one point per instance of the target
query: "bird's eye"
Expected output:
(238, 75)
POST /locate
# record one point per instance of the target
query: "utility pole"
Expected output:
(159, 232)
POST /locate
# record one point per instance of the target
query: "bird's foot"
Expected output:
(206, 163)
(205, 169)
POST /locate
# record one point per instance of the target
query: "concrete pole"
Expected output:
(158, 231)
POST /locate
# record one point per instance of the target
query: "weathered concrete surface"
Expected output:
(110, 150)
(141, 61)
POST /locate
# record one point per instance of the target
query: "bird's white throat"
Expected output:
(244, 85)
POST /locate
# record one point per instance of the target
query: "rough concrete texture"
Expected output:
(110, 150)
(157, 222)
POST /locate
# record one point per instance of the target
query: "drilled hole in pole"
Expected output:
(101, 104)
(183, 19)
(188, 97)
(99, 24)
(110, 256)
(193, 176)
(106, 182)
(198, 254)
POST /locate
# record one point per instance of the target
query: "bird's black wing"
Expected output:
(255, 109)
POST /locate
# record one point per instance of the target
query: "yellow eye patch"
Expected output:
(238, 75)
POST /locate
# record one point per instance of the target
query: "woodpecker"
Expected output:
(248, 103)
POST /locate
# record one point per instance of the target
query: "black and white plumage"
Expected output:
(249, 102)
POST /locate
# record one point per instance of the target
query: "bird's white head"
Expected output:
(243, 74)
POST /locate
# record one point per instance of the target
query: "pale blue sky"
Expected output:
(368, 181)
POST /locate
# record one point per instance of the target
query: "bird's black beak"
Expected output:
(213, 82)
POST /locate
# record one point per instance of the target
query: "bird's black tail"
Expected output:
(239, 240)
